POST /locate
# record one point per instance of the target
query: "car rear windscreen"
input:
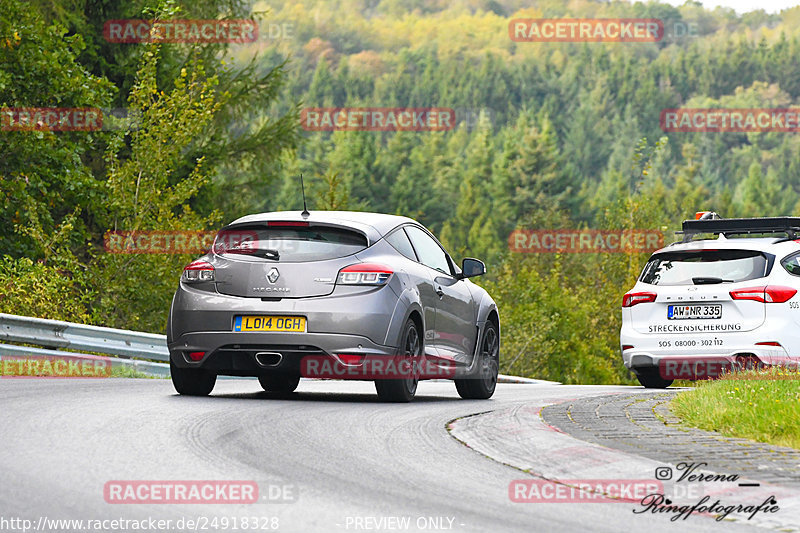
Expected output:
(705, 267)
(290, 243)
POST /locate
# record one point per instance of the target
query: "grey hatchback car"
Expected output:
(332, 294)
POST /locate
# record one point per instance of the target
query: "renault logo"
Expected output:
(273, 275)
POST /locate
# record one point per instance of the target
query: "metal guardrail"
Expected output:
(69, 336)
(56, 335)
(122, 343)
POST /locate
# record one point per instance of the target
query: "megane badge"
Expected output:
(273, 275)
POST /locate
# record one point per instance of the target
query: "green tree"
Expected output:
(471, 231)
(142, 193)
(44, 174)
(757, 196)
(527, 177)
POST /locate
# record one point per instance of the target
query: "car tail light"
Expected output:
(350, 358)
(751, 293)
(769, 343)
(633, 298)
(198, 271)
(365, 274)
(196, 356)
(626, 347)
(770, 294)
(778, 294)
(287, 224)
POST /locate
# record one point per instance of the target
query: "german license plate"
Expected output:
(694, 311)
(295, 324)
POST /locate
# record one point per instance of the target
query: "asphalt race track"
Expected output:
(348, 462)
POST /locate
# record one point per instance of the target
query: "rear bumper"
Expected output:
(648, 350)
(234, 354)
(636, 359)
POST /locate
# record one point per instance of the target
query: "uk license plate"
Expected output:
(295, 324)
(694, 311)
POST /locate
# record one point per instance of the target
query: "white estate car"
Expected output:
(702, 303)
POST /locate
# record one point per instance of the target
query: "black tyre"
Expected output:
(403, 390)
(192, 381)
(279, 382)
(650, 378)
(481, 385)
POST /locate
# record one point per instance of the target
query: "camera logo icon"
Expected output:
(663, 473)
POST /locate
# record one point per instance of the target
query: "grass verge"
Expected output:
(55, 367)
(762, 405)
(130, 372)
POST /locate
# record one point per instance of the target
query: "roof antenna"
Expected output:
(305, 213)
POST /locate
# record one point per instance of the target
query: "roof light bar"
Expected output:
(740, 226)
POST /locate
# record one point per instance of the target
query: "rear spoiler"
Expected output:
(369, 232)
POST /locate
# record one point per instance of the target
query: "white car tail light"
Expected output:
(364, 274)
(770, 294)
(198, 271)
(633, 298)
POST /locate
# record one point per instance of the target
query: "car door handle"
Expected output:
(440, 292)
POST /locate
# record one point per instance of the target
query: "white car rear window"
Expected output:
(704, 267)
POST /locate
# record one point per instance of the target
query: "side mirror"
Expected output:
(472, 267)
